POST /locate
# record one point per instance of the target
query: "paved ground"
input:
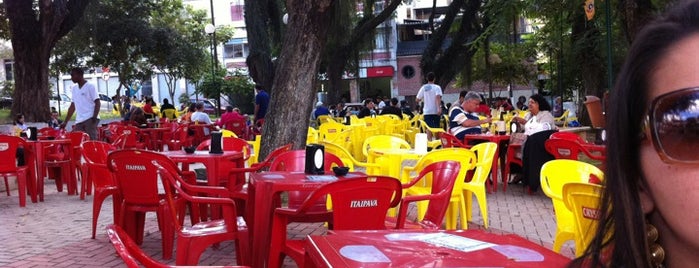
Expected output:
(56, 233)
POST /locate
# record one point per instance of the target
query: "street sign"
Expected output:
(105, 76)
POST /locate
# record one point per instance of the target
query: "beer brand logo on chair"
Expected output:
(364, 203)
(4, 146)
(136, 167)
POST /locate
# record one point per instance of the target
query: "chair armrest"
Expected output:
(209, 190)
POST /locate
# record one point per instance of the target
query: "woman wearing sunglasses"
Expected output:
(652, 176)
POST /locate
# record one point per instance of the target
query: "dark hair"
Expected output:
(463, 93)
(18, 117)
(622, 228)
(192, 107)
(229, 108)
(430, 77)
(77, 70)
(199, 105)
(166, 101)
(543, 103)
(394, 101)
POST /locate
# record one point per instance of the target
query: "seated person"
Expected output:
(199, 116)
(137, 117)
(148, 109)
(168, 107)
(534, 154)
(54, 122)
(393, 108)
(231, 115)
(320, 110)
(18, 128)
(187, 117)
(464, 120)
(368, 109)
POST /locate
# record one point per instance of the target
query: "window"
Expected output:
(9, 74)
(236, 51)
(237, 10)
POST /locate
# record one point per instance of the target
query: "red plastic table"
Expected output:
(501, 140)
(263, 190)
(37, 152)
(154, 137)
(212, 162)
(424, 248)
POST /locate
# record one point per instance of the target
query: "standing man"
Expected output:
(431, 96)
(261, 103)
(87, 103)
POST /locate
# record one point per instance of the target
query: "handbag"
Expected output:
(518, 138)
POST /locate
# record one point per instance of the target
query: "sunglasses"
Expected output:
(673, 120)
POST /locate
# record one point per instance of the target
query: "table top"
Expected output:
(201, 154)
(488, 136)
(425, 248)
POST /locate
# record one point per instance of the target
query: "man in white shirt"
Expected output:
(431, 95)
(199, 116)
(86, 102)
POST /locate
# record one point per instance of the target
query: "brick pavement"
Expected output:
(56, 233)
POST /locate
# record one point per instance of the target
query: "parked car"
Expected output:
(106, 103)
(60, 102)
(5, 103)
(209, 106)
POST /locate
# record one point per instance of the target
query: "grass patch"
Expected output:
(7, 118)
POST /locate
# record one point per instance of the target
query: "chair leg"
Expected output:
(483, 204)
(22, 189)
(7, 186)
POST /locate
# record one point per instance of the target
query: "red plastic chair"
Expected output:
(130, 253)
(357, 204)
(568, 149)
(444, 175)
(96, 172)
(296, 161)
(133, 141)
(199, 133)
(76, 140)
(137, 180)
(193, 240)
(178, 139)
(239, 127)
(9, 168)
(511, 159)
(48, 133)
(450, 141)
(58, 161)
(567, 136)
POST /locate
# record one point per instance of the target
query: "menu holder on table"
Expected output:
(321, 178)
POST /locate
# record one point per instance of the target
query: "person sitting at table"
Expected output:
(18, 129)
(320, 110)
(231, 115)
(54, 122)
(199, 116)
(166, 109)
(464, 120)
(368, 109)
(187, 117)
(148, 109)
(393, 109)
(138, 117)
(538, 126)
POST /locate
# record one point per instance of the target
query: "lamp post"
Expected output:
(210, 29)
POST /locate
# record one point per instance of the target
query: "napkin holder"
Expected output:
(421, 143)
(315, 159)
(216, 146)
(32, 133)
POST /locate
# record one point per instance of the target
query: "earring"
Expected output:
(657, 253)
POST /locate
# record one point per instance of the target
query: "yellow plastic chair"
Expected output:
(583, 200)
(227, 133)
(312, 136)
(467, 160)
(170, 113)
(382, 142)
(256, 150)
(330, 130)
(435, 142)
(485, 153)
(555, 174)
(562, 120)
(348, 159)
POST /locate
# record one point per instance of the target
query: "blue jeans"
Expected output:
(432, 120)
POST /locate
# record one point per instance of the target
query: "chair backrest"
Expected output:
(444, 174)
(128, 250)
(358, 203)
(271, 156)
(466, 158)
(169, 113)
(296, 161)
(48, 132)
(131, 133)
(330, 130)
(227, 133)
(136, 176)
(555, 174)
(485, 154)
(8, 151)
(238, 126)
(341, 153)
(450, 141)
(95, 155)
(565, 135)
(569, 149)
(77, 137)
(583, 200)
(383, 142)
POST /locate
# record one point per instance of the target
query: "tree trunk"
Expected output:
(33, 36)
(293, 92)
(592, 65)
(259, 61)
(634, 14)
